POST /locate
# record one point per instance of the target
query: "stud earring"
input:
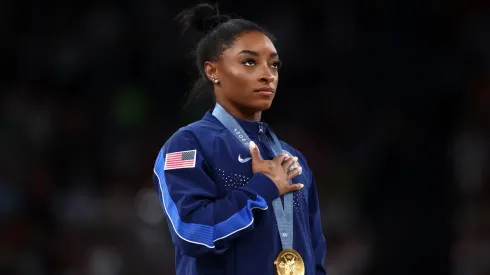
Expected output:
(215, 80)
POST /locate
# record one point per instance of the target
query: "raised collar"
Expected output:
(252, 128)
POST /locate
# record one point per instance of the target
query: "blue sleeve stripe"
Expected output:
(200, 233)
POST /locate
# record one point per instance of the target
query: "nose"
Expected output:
(267, 76)
(267, 79)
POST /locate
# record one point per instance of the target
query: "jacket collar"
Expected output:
(252, 128)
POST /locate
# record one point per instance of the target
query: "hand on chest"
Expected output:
(233, 169)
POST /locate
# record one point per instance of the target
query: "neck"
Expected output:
(241, 113)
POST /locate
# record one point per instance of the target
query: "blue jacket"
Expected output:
(220, 214)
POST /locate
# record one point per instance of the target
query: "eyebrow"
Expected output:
(256, 53)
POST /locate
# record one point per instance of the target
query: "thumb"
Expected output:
(295, 187)
(254, 151)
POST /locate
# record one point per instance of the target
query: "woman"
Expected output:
(237, 200)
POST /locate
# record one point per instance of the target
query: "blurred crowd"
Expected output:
(389, 101)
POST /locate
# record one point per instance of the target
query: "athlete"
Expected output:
(237, 199)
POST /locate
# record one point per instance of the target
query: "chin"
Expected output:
(263, 105)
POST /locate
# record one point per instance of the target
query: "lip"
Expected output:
(266, 90)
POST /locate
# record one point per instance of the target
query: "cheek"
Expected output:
(240, 77)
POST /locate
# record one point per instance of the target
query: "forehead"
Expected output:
(253, 41)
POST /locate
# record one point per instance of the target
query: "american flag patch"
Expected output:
(182, 159)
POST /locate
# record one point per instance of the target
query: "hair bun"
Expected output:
(202, 17)
(211, 23)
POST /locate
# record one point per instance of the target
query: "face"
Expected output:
(247, 73)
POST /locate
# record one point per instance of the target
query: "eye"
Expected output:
(276, 64)
(249, 62)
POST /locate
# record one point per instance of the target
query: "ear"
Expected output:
(210, 70)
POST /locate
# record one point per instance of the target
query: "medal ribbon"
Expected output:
(284, 216)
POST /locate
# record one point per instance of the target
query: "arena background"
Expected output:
(388, 100)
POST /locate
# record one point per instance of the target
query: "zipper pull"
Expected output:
(261, 127)
(261, 130)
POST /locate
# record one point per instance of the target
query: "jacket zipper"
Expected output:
(261, 130)
(264, 143)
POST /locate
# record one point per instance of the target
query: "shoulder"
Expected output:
(199, 136)
(201, 133)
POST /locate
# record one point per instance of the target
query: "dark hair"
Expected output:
(220, 32)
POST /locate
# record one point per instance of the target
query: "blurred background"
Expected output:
(388, 100)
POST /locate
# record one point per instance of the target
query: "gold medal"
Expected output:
(289, 262)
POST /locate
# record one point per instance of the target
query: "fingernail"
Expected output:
(301, 185)
(300, 170)
(295, 158)
(252, 145)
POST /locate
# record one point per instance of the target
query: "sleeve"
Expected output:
(198, 220)
(318, 239)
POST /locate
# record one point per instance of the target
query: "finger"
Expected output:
(288, 163)
(281, 158)
(295, 165)
(295, 172)
(254, 151)
(295, 187)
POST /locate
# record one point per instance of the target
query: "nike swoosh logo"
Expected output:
(243, 160)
